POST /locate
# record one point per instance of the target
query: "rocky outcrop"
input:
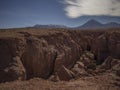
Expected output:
(41, 56)
(87, 58)
(11, 67)
(107, 64)
(15, 70)
(107, 44)
(38, 58)
(114, 44)
(71, 54)
(110, 64)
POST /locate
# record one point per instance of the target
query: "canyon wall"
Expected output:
(25, 54)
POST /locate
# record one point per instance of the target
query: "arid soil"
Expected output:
(59, 59)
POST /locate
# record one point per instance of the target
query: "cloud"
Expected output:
(77, 8)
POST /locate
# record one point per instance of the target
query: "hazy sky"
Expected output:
(22, 13)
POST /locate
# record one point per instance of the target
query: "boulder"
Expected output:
(89, 55)
(79, 72)
(65, 57)
(79, 65)
(65, 74)
(54, 78)
(116, 69)
(106, 64)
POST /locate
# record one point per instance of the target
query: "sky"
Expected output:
(25, 13)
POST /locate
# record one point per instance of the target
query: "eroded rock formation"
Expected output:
(71, 54)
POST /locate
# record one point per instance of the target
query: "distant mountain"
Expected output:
(112, 24)
(49, 26)
(93, 24)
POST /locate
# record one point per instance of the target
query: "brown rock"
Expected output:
(105, 45)
(15, 70)
(89, 55)
(79, 72)
(116, 69)
(10, 52)
(38, 60)
(65, 57)
(54, 78)
(100, 48)
(114, 44)
(79, 65)
(107, 63)
(65, 74)
(115, 66)
(110, 64)
(43, 52)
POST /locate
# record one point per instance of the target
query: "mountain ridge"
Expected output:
(49, 26)
(90, 24)
(93, 24)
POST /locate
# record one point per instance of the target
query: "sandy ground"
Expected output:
(107, 81)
